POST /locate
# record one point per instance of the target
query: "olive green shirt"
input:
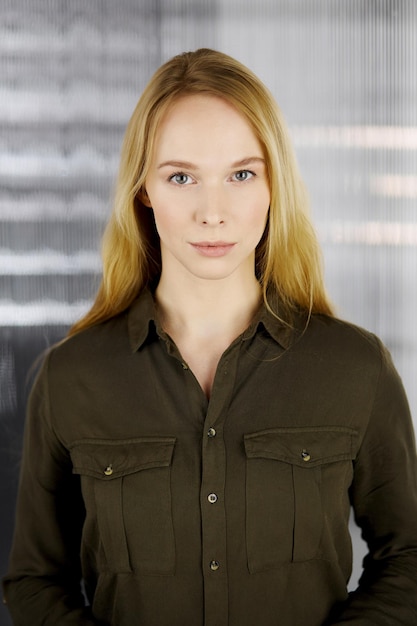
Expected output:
(176, 510)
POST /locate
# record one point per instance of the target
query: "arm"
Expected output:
(384, 499)
(43, 583)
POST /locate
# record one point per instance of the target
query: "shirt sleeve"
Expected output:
(43, 585)
(384, 500)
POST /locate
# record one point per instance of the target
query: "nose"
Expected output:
(211, 209)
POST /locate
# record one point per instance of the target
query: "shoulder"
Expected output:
(89, 349)
(338, 329)
(351, 362)
(121, 333)
(340, 341)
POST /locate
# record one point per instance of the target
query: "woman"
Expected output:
(193, 449)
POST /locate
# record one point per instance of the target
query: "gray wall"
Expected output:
(344, 73)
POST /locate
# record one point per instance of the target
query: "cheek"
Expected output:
(168, 222)
(160, 218)
(258, 223)
(260, 215)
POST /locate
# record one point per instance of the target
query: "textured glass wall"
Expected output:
(345, 75)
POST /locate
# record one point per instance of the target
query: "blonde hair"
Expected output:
(288, 258)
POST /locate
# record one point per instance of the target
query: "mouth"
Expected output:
(213, 248)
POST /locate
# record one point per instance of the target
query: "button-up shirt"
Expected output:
(176, 510)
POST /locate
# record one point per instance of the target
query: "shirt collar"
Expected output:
(282, 332)
(141, 319)
(142, 323)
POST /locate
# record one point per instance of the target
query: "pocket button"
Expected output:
(305, 456)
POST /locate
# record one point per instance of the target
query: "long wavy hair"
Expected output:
(288, 260)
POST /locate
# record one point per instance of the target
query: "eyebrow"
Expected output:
(191, 166)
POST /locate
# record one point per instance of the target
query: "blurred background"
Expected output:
(345, 75)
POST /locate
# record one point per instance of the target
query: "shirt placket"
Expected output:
(212, 494)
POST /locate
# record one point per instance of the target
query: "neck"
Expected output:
(207, 309)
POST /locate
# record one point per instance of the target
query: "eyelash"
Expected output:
(252, 174)
(172, 176)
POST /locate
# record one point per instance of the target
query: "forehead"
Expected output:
(203, 120)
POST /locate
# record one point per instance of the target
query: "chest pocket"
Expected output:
(297, 482)
(127, 488)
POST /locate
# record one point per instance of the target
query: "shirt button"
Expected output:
(214, 566)
(109, 470)
(212, 498)
(211, 432)
(305, 455)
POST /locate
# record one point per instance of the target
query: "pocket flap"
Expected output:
(305, 447)
(108, 459)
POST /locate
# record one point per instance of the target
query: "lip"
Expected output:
(213, 248)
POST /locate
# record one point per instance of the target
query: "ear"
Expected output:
(144, 198)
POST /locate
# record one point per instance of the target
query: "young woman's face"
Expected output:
(208, 188)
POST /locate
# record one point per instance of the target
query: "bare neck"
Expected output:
(207, 308)
(204, 320)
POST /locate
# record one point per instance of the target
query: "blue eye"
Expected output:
(179, 178)
(243, 175)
